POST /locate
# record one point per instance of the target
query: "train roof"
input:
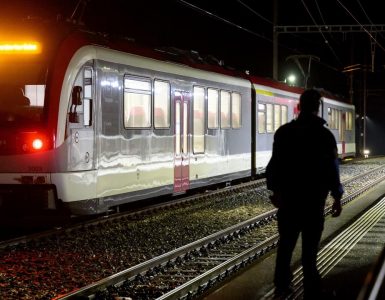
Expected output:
(65, 32)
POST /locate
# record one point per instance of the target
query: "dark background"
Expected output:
(240, 33)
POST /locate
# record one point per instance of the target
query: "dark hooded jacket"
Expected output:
(304, 160)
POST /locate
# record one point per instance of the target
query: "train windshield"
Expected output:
(22, 89)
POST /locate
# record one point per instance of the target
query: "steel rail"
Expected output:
(149, 209)
(169, 256)
(205, 280)
(334, 251)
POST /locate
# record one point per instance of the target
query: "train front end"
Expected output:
(26, 139)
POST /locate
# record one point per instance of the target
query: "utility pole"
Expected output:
(275, 40)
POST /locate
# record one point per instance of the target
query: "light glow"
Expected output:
(34, 141)
(291, 79)
(37, 144)
(22, 47)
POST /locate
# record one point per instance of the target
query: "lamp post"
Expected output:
(305, 74)
(291, 80)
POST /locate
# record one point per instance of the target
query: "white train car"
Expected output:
(340, 118)
(277, 104)
(89, 124)
(115, 127)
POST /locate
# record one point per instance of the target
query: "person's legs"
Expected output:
(288, 234)
(311, 236)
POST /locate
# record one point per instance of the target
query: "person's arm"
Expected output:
(336, 188)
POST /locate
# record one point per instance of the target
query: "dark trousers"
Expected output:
(292, 221)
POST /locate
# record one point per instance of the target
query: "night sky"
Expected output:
(239, 32)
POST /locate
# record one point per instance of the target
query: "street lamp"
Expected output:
(291, 80)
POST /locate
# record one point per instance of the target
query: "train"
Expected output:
(89, 123)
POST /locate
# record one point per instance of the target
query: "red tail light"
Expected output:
(37, 144)
(34, 141)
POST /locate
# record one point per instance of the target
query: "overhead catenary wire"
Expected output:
(210, 14)
(322, 18)
(320, 31)
(256, 13)
(363, 27)
(224, 20)
(233, 24)
(366, 15)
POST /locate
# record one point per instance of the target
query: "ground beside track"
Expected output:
(257, 280)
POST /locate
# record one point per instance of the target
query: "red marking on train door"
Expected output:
(181, 143)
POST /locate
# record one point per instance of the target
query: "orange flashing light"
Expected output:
(18, 48)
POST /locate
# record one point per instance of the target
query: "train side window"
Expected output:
(225, 109)
(284, 116)
(277, 116)
(332, 113)
(199, 120)
(349, 121)
(212, 108)
(87, 100)
(340, 129)
(162, 100)
(35, 94)
(339, 119)
(261, 118)
(329, 117)
(137, 102)
(269, 117)
(236, 110)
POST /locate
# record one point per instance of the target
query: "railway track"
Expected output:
(190, 270)
(335, 250)
(51, 264)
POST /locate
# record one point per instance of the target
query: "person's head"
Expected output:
(310, 101)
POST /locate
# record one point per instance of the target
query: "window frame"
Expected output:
(168, 117)
(141, 92)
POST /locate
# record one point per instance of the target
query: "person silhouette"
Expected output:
(302, 171)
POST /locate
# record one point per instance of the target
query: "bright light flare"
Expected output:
(291, 79)
(20, 47)
(33, 142)
(37, 144)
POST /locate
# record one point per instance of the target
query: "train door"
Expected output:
(181, 146)
(81, 121)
